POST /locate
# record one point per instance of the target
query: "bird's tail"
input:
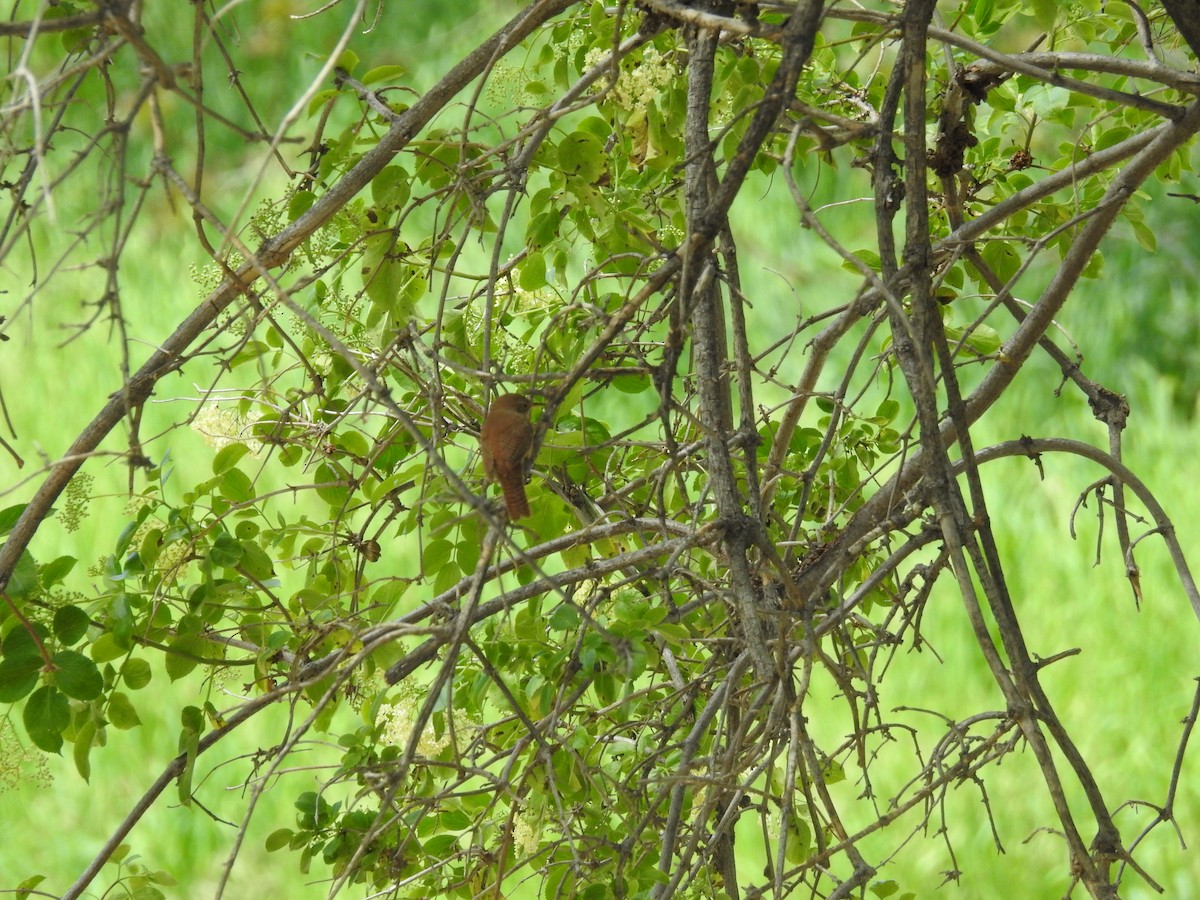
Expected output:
(514, 497)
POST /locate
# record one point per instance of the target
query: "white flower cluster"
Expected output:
(510, 85)
(527, 833)
(398, 721)
(221, 426)
(640, 83)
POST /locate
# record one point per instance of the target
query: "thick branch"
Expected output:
(1186, 16)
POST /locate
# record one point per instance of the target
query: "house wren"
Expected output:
(506, 439)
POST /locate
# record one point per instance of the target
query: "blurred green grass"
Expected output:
(1124, 694)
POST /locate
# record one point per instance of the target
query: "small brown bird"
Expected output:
(506, 439)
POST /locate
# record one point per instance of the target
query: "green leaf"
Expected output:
(19, 642)
(298, 205)
(630, 384)
(84, 739)
(236, 486)
(120, 615)
(77, 676)
(9, 516)
(136, 673)
(246, 531)
(984, 340)
(106, 648)
(447, 577)
(278, 839)
(383, 73)
(70, 624)
(564, 618)
(256, 563)
(227, 457)
(56, 570)
(18, 676)
(1045, 12)
(121, 712)
(320, 99)
(799, 838)
(391, 280)
(24, 888)
(454, 820)
(130, 529)
(226, 551)
(76, 40)
(543, 229)
(533, 272)
(386, 595)
(1111, 137)
(673, 634)
(1047, 100)
(181, 654)
(437, 554)
(466, 554)
(24, 577)
(869, 257)
(332, 493)
(315, 812)
(1002, 259)
(440, 846)
(390, 189)
(581, 154)
(47, 715)
(1145, 236)
(353, 443)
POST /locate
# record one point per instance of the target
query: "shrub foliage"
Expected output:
(670, 679)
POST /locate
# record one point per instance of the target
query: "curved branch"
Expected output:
(1032, 446)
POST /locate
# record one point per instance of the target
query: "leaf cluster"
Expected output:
(742, 503)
